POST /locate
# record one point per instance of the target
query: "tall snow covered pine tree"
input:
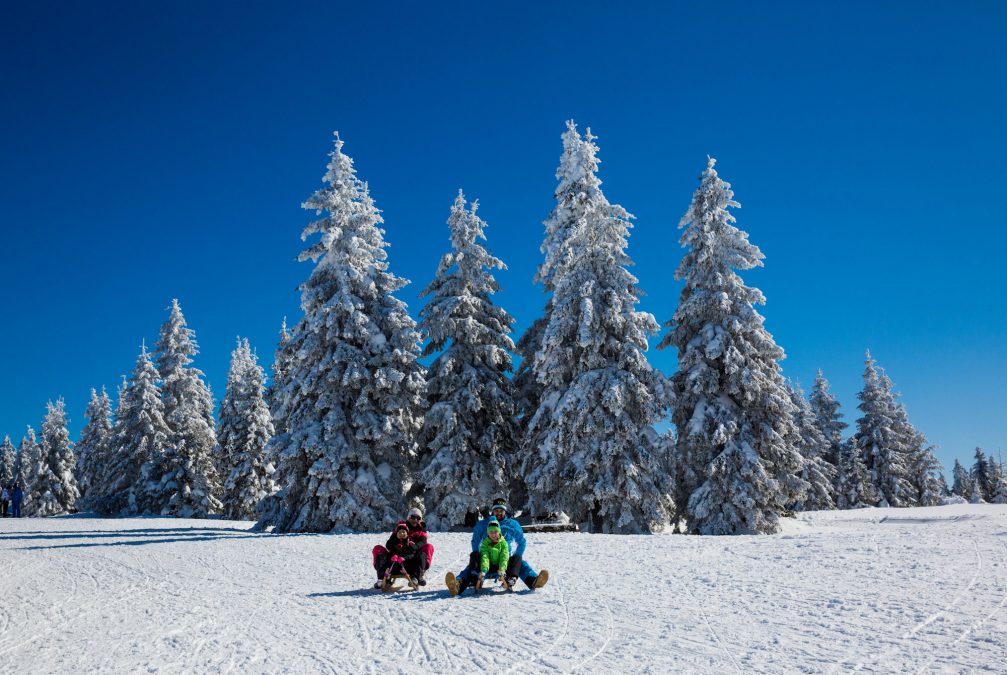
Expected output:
(350, 423)
(469, 435)
(592, 449)
(736, 469)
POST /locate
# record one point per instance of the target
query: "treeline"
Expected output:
(356, 428)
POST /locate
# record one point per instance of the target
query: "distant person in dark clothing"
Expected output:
(4, 501)
(16, 499)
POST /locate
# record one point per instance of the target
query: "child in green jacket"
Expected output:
(494, 552)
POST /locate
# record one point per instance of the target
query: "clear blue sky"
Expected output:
(154, 151)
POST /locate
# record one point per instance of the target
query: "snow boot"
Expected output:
(537, 581)
(454, 587)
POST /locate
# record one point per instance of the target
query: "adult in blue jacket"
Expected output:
(514, 535)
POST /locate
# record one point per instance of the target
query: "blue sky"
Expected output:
(155, 151)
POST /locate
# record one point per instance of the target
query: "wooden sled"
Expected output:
(389, 585)
(503, 582)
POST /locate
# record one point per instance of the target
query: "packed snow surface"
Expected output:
(874, 590)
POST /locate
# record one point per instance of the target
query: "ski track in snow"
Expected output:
(914, 591)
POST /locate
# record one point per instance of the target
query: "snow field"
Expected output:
(874, 590)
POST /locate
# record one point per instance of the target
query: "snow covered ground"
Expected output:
(894, 590)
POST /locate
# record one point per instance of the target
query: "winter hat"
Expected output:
(401, 526)
(414, 512)
(500, 504)
(494, 524)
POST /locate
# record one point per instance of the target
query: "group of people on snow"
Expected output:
(498, 546)
(11, 497)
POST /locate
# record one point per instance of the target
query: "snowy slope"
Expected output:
(894, 590)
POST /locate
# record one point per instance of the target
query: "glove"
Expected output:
(398, 559)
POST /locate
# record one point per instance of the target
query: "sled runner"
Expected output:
(500, 577)
(389, 583)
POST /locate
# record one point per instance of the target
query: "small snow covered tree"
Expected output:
(998, 494)
(828, 419)
(881, 439)
(961, 484)
(817, 471)
(469, 435)
(8, 462)
(281, 365)
(185, 480)
(350, 420)
(29, 468)
(854, 487)
(926, 472)
(737, 470)
(55, 490)
(982, 473)
(593, 452)
(244, 430)
(976, 492)
(138, 439)
(95, 443)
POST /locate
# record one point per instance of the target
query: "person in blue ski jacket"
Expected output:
(514, 535)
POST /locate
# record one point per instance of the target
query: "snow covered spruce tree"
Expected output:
(29, 468)
(828, 419)
(244, 430)
(817, 471)
(185, 480)
(281, 366)
(982, 474)
(138, 439)
(8, 462)
(961, 484)
(95, 443)
(854, 487)
(881, 439)
(592, 449)
(926, 474)
(350, 422)
(55, 491)
(737, 468)
(578, 188)
(469, 435)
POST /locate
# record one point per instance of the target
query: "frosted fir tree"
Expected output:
(593, 452)
(93, 449)
(881, 439)
(926, 474)
(8, 462)
(56, 488)
(138, 439)
(998, 493)
(737, 470)
(578, 191)
(982, 474)
(961, 484)
(186, 481)
(281, 366)
(244, 430)
(30, 467)
(854, 487)
(976, 495)
(828, 419)
(350, 422)
(469, 437)
(817, 471)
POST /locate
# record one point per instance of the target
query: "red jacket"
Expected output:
(417, 532)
